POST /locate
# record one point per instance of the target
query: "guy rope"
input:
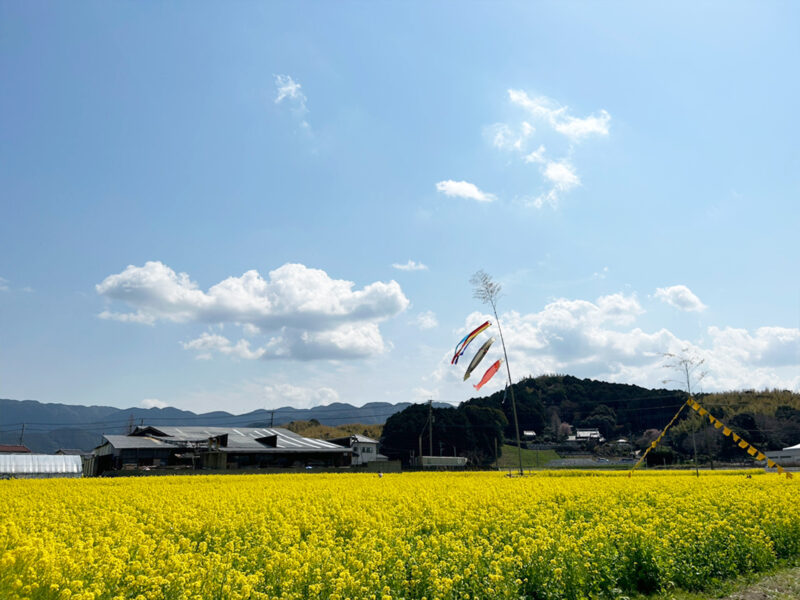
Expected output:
(726, 431)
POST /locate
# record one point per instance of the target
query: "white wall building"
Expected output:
(365, 449)
(788, 457)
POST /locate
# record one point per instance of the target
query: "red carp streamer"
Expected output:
(488, 375)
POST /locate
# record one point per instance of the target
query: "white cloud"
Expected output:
(289, 91)
(410, 266)
(559, 174)
(776, 346)
(504, 137)
(464, 189)
(537, 156)
(3, 284)
(421, 394)
(426, 320)
(209, 342)
(600, 340)
(680, 297)
(562, 175)
(313, 315)
(562, 179)
(153, 403)
(137, 317)
(284, 394)
(558, 117)
(250, 330)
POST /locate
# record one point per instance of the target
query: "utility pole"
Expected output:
(22, 434)
(271, 419)
(430, 427)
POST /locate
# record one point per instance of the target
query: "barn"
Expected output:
(217, 448)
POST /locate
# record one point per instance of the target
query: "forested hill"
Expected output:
(554, 405)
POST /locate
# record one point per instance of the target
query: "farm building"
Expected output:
(365, 449)
(39, 466)
(218, 448)
(788, 457)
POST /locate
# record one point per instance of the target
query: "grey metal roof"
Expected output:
(240, 439)
(17, 464)
(124, 442)
(347, 440)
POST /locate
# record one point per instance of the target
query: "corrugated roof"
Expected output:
(362, 439)
(123, 442)
(14, 448)
(19, 464)
(240, 439)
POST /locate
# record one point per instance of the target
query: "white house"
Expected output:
(365, 449)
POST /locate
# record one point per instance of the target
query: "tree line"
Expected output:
(554, 405)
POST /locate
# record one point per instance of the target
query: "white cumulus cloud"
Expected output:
(309, 314)
(426, 320)
(600, 339)
(558, 117)
(680, 297)
(285, 394)
(464, 189)
(410, 266)
(153, 403)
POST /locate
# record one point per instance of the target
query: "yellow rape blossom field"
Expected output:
(545, 536)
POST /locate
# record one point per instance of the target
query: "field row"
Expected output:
(425, 535)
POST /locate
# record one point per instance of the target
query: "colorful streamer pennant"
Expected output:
(465, 341)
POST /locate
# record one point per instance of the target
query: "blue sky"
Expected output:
(250, 205)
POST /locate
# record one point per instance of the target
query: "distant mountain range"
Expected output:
(48, 427)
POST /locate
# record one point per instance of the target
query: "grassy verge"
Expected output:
(783, 583)
(531, 459)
